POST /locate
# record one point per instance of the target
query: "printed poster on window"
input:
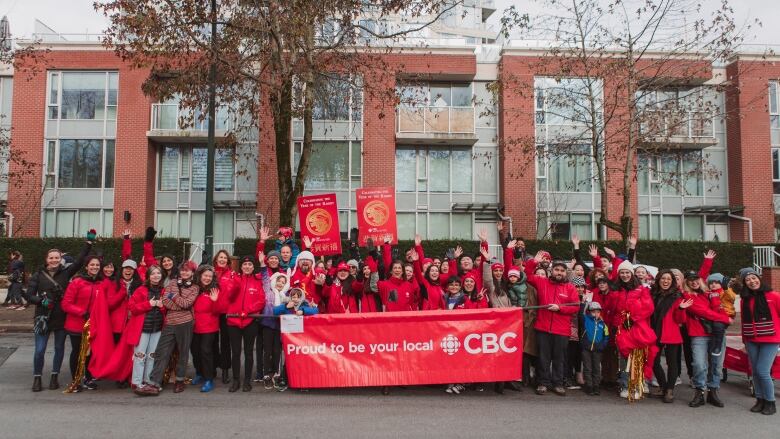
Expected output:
(376, 214)
(319, 218)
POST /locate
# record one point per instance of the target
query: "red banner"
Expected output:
(403, 348)
(319, 218)
(376, 214)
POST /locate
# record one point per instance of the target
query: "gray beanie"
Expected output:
(745, 272)
(274, 253)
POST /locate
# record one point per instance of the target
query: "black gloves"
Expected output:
(150, 234)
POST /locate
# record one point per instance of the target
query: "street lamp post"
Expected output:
(210, 152)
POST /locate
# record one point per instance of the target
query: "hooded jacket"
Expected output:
(548, 293)
(274, 297)
(247, 297)
(78, 301)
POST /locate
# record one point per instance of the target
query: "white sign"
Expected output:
(292, 324)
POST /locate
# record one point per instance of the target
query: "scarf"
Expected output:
(663, 303)
(758, 321)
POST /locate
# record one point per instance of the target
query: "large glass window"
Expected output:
(81, 163)
(438, 170)
(563, 225)
(83, 95)
(183, 168)
(435, 225)
(75, 222)
(444, 94)
(672, 173)
(774, 132)
(671, 227)
(338, 98)
(332, 165)
(566, 170)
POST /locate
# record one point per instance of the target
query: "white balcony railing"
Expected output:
(435, 120)
(167, 116)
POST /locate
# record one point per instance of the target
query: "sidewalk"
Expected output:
(12, 320)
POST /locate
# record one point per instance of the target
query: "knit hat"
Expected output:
(248, 258)
(546, 255)
(343, 266)
(130, 263)
(497, 266)
(471, 276)
(513, 271)
(305, 256)
(353, 263)
(594, 306)
(273, 253)
(626, 265)
(453, 280)
(427, 261)
(557, 263)
(286, 232)
(578, 281)
(188, 265)
(747, 271)
(715, 277)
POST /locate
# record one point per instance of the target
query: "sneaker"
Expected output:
(280, 384)
(624, 393)
(572, 387)
(268, 383)
(258, 378)
(89, 385)
(479, 388)
(541, 390)
(560, 391)
(459, 388)
(208, 386)
(22, 308)
(654, 383)
(450, 388)
(678, 381)
(197, 380)
(13, 307)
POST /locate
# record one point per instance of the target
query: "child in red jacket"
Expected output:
(209, 304)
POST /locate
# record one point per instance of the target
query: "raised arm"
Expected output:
(127, 245)
(81, 259)
(706, 264)
(149, 258)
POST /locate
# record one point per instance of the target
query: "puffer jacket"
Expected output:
(248, 297)
(78, 301)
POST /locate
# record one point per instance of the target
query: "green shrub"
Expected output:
(34, 249)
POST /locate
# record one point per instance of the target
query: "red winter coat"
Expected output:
(548, 293)
(701, 309)
(476, 304)
(78, 299)
(248, 297)
(773, 300)
(434, 291)
(226, 278)
(139, 306)
(206, 313)
(406, 300)
(117, 305)
(354, 300)
(306, 283)
(670, 325)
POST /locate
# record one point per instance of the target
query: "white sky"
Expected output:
(79, 16)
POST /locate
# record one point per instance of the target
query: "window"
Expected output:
(776, 170)
(435, 225)
(681, 112)
(558, 225)
(338, 98)
(332, 165)
(83, 95)
(567, 101)
(567, 171)
(183, 168)
(82, 163)
(442, 94)
(671, 227)
(438, 170)
(673, 173)
(75, 222)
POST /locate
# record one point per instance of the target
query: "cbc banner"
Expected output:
(404, 348)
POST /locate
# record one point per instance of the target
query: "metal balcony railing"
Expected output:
(167, 116)
(435, 120)
(692, 124)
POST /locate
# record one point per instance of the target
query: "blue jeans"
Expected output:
(762, 356)
(143, 357)
(707, 369)
(40, 351)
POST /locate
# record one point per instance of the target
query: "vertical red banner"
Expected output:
(376, 214)
(319, 218)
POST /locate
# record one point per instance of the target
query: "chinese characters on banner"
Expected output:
(319, 218)
(376, 214)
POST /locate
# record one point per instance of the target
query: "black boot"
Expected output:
(712, 398)
(759, 406)
(247, 385)
(54, 382)
(235, 385)
(698, 398)
(499, 388)
(769, 408)
(37, 384)
(225, 376)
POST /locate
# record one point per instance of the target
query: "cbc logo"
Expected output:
(450, 344)
(487, 343)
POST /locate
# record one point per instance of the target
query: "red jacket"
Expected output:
(138, 306)
(404, 294)
(434, 291)
(637, 301)
(476, 304)
(548, 293)
(206, 314)
(117, 305)
(248, 297)
(78, 300)
(355, 300)
(701, 309)
(670, 325)
(773, 300)
(306, 283)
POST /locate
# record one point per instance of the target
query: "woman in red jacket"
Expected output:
(126, 283)
(248, 297)
(475, 299)
(397, 294)
(666, 320)
(144, 329)
(430, 282)
(77, 304)
(206, 310)
(225, 277)
(761, 334)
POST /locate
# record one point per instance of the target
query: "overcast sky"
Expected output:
(79, 16)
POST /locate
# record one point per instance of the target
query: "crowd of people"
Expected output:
(603, 325)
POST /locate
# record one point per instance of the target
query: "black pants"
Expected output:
(73, 360)
(716, 336)
(591, 367)
(272, 350)
(672, 352)
(687, 353)
(573, 360)
(529, 362)
(552, 350)
(259, 352)
(172, 337)
(224, 344)
(246, 336)
(202, 348)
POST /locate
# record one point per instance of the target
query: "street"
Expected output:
(358, 413)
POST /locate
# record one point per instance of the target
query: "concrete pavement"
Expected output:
(354, 413)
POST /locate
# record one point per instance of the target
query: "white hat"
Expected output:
(626, 265)
(304, 256)
(130, 263)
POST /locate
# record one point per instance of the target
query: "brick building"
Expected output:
(112, 159)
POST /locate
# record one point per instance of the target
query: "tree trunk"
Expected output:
(281, 104)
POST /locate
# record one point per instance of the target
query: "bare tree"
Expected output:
(623, 84)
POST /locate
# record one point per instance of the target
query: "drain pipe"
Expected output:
(507, 219)
(749, 224)
(10, 224)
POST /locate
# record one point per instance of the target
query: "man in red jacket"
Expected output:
(553, 323)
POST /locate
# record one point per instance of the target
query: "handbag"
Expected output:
(41, 324)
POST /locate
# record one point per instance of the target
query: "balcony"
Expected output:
(421, 125)
(166, 124)
(687, 130)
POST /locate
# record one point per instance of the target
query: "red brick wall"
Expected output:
(771, 277)
(134, 165)
(749, 152)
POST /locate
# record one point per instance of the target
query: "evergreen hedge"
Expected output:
(663, 254)
(34, 249)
